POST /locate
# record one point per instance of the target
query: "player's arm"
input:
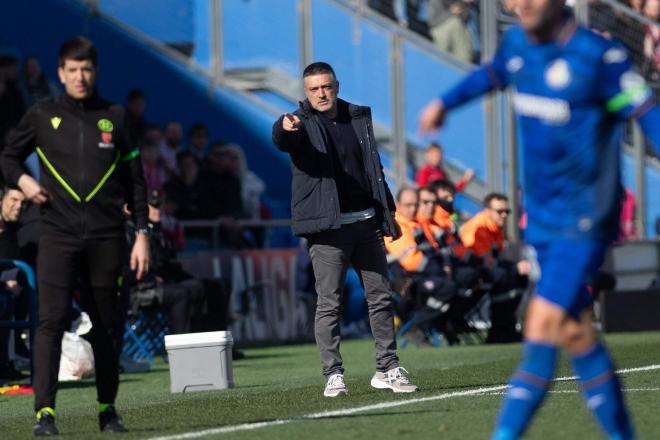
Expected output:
(137, 200)
(627, 94)
(20, 145)
(484, 79)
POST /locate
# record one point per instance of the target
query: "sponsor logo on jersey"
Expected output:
(55, 121)
(558, 75)
(549, 110)
(105, 125)
(614, 56)
(106, 140)
(515, 64)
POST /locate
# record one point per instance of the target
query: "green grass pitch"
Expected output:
(284, 383)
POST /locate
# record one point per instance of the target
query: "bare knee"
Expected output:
(543, 322)
(577, 336)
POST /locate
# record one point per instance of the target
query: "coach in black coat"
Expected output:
(342, 205)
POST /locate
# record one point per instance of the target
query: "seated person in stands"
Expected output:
(483, 235)
(11, 280)
(413, 256)
(185, 191)
(191, 304)
(198, 141)
(433, 170)
(444, 214)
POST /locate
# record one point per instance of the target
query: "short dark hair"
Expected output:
(445, 184)
(433, 146)
(428, 189)
(196, 129)
(79, 49)
(494, 196)
(134, 94)
(319, 68)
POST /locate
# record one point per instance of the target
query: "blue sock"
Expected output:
(602, 391)
(527, 389)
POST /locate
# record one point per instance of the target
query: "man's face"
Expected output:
(321, 91)
(189, 169)
(535, 15)
(78, 78)
(407, 204)
(498, 211)
(652, 9)
(12, 205)
(199, 139)
(427, 201)
(136, 106)
(445, 194)
(434, 156)
(173, 133)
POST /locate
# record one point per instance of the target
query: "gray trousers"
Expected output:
(360, 245)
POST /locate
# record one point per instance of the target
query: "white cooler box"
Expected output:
(200, 361)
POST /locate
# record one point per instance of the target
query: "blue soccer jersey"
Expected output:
(571, 96)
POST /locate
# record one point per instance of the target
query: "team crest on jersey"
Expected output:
(515, 64)
(105, 125)
(558, 75)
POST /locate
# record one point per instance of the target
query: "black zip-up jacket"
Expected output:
(87, 165)
(314, 199)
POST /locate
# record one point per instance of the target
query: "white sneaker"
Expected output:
(395, 379)
(335, 386)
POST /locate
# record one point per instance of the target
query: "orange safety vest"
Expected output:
(480, 233)
(404, 250)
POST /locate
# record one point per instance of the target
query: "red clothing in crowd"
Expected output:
(429, 173)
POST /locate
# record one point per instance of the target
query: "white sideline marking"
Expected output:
(382, 405)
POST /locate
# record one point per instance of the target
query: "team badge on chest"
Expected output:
(558, 74)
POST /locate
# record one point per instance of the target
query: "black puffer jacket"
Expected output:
(314, 199)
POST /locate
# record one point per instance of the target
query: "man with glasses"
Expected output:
(483, 234)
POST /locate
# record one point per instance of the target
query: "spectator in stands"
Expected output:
(12, 106)
(412, 14)
(445, 213)
(198, 141)
(222, 185)
(453, 34)
(34, 85)
(135, 107)
(627, 227)
(252, 187)
(652, 43)
(11, 283)
(483, 234)
(427, 200)
(185, 191)
(433, 169)
(155, 173)
(171, 145)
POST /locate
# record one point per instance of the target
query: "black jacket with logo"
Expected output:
(87, 165)
(314, 199)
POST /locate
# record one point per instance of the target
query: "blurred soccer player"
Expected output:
(573, 90)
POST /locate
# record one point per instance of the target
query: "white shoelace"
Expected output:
(399, 373)
(336, 381)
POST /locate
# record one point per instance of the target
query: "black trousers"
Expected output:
(62, 263)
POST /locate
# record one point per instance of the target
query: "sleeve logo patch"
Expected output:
(105, 125)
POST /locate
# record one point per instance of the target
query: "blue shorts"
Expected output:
(567, 267)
